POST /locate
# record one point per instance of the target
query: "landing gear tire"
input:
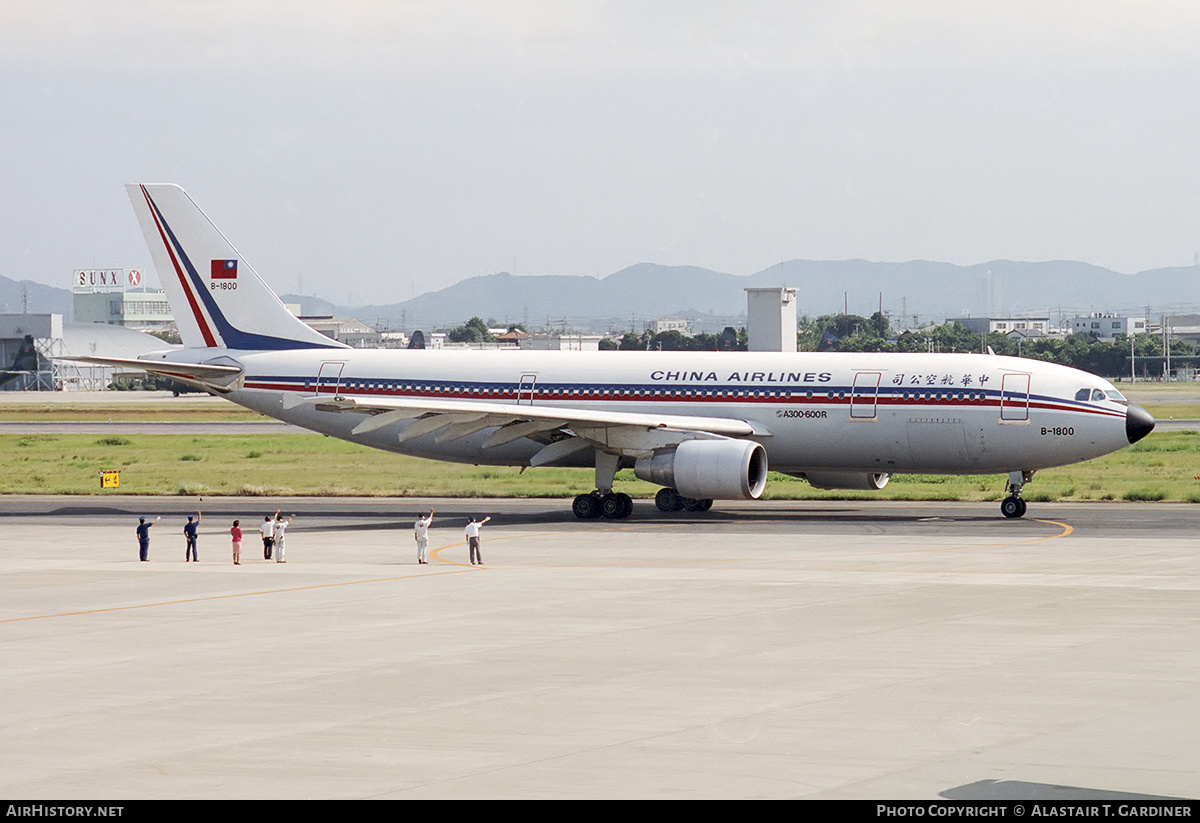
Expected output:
(668, 500)
(586, 506)
(1013, 507)
(590, 506)
(617, 506)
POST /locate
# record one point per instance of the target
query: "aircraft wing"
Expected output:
(628, 433)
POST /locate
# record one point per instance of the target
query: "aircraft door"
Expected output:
(864, 395)
(1014, 397)
(329, 378)
(525, 389)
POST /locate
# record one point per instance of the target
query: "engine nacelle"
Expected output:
(708, 469)
(871, 481)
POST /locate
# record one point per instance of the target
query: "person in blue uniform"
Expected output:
(143, 535)
(189, 533)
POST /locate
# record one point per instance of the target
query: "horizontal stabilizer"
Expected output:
(202, 372)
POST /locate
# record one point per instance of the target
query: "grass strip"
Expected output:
(1164, 466)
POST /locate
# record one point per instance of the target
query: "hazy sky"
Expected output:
(371, 150)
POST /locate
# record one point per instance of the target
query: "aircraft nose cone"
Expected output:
(1138, 423)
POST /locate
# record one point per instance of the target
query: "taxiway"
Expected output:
(817, 650)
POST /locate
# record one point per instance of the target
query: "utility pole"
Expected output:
(1166, 321)
(1132, 367)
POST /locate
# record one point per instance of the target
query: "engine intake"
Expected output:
(708, 469)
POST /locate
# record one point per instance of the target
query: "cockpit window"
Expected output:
(1095, 395)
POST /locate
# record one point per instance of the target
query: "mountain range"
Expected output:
(917, 291)
(26, 296)
(912, 293)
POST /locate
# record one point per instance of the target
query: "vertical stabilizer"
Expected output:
(217, 299)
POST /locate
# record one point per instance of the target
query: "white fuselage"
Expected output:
(896, 413)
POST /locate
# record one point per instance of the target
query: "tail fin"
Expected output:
(217, 299)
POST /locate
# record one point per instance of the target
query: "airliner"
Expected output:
(704, 426)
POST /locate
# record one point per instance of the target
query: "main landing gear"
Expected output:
(618, 505)
(669, 500)
(1013, 505)
(603, 502)
(611, 506)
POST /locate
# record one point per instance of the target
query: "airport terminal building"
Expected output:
(116, 297)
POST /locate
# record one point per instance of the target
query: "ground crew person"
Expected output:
(421, 534)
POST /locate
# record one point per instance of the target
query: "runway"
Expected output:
(774, 649)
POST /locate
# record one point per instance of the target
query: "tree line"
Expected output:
(852, 332)
(1106, 357)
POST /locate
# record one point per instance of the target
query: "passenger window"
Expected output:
(1082, 394)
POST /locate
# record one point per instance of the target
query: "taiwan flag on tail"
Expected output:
(224, 270)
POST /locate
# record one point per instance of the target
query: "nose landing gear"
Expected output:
(1013, 505)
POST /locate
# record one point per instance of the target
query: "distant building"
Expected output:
(418, 340)
(561, 342)
(116, 297)
(1184, 327)
(1107, 325)
(393, 340)
(510, 338)
(1003, 325)
(683, 326)
(1028, 333)
(144, 311)
(29, 342)
(348, 330)
(771, 319)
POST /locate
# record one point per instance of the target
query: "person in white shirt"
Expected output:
(267, 529)
(280, 530)
(421, 534)
(472, 532)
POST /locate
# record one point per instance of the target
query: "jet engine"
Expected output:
(708, 469)
(870, 481)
